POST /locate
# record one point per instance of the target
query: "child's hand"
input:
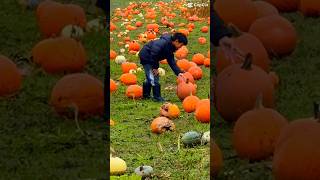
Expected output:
(155, 72)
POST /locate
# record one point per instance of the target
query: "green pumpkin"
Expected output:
(191, 138)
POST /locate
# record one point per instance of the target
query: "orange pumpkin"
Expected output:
(202, 112)
(265, 9)
(185, 77)
(189, 103)
(161, 124)
(216, 159)
(230, 12)
(185, 89)
(281, 37)
(52, 17)
(113, 54)
(246, 43)
(234, 93)
(309, 7)
(182, 53)
(128, 79)
(285, 5)
(206, 62)
(256, 132)
(134, 91)
(127, 66)
(139, 24)
(79, 90)
(184, 31)
(298, 142)
(10, 77)
(170, 110)
(204, 29)
(198, 58)
(183, 64)
(113, 86)
(60, 54)
(196, 72)
(202, 40)
(134, 46)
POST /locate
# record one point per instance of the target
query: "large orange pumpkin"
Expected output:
(196, 72)
(202, 112)
(60, 54)
(185, 89)
(257, 131)
(237, 87)
(127, 66)
(182, 53)
(79, 90)
(276, 33)
(186, 76)
(134, 91)
(183, 64)
(10, 78)
(52, 17)
(298, 142)
(246, 43)
(230, 12)
(198, 58)
(128, 79)
(189, 103)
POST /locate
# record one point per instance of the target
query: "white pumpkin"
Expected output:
(132, 71)
(205, 137)
(120, 59)
(72, 31)
(161, 71)
(95, 25)
(139, 69)
(122, 50)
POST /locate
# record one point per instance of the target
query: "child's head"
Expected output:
(179, 40)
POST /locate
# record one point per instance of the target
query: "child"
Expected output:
(152, 53)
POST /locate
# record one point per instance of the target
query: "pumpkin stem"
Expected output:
(316, 111)
(247, 62)
(235, 31)
(76, 113)
(259, 101)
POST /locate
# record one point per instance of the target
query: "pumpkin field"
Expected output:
(51, 91)
(140, 136)
(266, 103)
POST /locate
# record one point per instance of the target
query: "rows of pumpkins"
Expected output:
(60, 52)
(244, 89)
(140, 18)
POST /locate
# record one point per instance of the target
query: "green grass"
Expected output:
(132, 138)
(300, 86)
(35, 142)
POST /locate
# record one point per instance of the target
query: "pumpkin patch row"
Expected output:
(134, 26)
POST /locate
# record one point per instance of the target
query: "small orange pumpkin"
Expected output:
(134, 91)
(185, 89)
(206, 62)
(202, 112)
(170, 110)
(202, 40)
(204, 29)
(113, 54)
(113, 86)
(186, 76)
(134, 46)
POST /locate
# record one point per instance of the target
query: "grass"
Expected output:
(131, 136)
(300, 86)
(35, 142)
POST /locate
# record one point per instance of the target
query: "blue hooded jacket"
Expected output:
(157, 50)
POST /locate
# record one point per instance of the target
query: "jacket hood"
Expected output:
(166, 37)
